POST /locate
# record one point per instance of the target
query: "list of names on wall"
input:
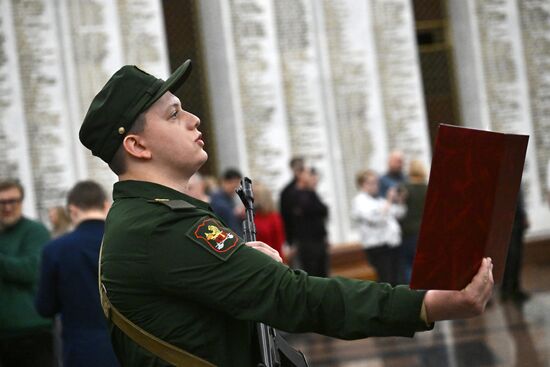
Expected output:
(400, 78)
(302, 89)
(44, 101)
(351, 85)
(96, 55)
(11, 117)
(260, 90)
(142, 32)
(508, 110)
(535, 15)
(55, 55)
(500, 66)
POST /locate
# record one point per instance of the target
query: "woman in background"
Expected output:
(380, 234)
(269, 223)
(60, 220)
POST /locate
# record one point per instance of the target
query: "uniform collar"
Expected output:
(151, 191)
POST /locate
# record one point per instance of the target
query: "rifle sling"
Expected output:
(147, 341)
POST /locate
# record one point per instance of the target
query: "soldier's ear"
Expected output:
(135, 146)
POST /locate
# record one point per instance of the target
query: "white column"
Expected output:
(223, 84)
(469, 70)
(93, 52)
(302, 81)
(43, 95)
(400, 82)
(143, 37)
(351, 101)
(249, 113)
(14, 158)
(506, 85)
(535, 27)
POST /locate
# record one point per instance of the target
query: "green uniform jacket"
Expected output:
(20, 248)
(183, 276)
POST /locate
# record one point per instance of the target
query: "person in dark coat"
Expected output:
(415, 196)
(511, 281)
(285, 199)
(68, 281)
(309, 216)
(25, 336)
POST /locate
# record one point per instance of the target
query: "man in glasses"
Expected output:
(25, 337)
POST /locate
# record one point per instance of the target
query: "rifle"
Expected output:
(274, 350)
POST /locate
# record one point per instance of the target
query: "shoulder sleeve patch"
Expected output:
(215, 237)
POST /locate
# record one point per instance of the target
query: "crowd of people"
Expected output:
(388, 211)
(51, 313)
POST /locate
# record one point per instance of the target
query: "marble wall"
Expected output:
(54, 57)
(335, 81)
(502, 52)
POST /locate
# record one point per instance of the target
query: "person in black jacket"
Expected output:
(285, 200)
(511, 282)
(309, 216)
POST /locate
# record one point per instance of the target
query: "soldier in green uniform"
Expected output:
(172, 269)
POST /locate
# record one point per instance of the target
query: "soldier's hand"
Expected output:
(266, 249)
(469, 302)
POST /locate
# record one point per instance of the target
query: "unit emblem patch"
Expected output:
(218, 238)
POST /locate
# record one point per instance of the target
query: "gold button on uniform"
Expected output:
(121, 130)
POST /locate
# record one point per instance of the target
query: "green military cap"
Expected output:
(129, 92)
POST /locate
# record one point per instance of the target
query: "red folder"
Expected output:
(470, 204)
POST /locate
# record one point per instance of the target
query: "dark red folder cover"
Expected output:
(470, 204)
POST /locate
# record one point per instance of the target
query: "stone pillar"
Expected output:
(14, 158)
(93, 52)
(57, 56)
(246, 88)
(502, 70)
(535, 27)
(44, 101)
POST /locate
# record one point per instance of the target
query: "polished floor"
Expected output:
(507, 334)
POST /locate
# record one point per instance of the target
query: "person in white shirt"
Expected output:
(380, 234)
